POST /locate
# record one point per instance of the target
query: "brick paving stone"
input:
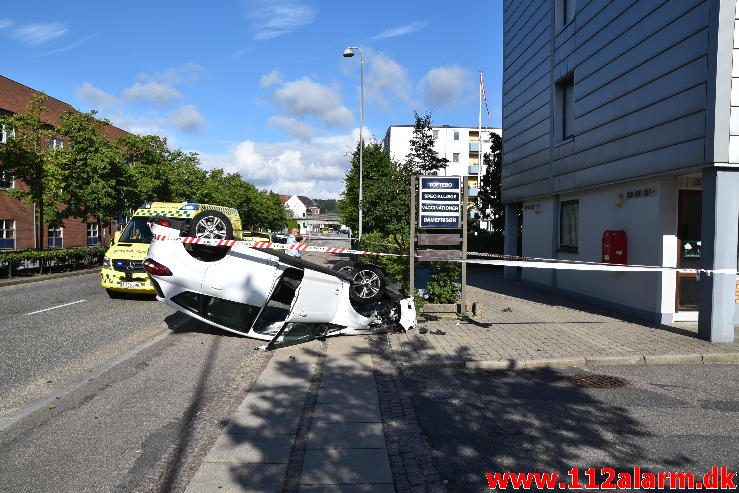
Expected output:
(542, 325)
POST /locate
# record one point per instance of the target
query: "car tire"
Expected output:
(368, 284)
(212, 225)
(345, 266)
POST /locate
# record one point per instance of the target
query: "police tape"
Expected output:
(493, 259)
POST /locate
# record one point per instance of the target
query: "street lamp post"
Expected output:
(348, 53)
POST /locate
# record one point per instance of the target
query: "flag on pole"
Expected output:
(484, 97)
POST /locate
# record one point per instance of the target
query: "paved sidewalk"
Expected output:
(521, 326)
(309, 425)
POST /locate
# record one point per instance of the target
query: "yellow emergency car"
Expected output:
(123, 270)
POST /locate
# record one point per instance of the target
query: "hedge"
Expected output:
(62, 257)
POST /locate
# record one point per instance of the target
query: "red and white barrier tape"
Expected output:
(496, 259)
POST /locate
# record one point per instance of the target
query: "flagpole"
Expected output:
(479, 144)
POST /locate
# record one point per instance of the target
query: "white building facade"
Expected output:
(621, 116)
(462, 146)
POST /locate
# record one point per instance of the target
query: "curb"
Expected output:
(46, 277)
(645, 359)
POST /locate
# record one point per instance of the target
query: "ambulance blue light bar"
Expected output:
(145, 205)
(190, 207)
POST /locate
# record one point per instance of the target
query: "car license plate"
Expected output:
(129, 285)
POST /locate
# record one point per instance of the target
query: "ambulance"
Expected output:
(123, 270)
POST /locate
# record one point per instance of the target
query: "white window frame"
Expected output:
(4, 235)
(6, 177)
(455, 157)
(95, 229)
(60, 235)
(456, 135)
(5, 134)
(55, 143)
(435, 134)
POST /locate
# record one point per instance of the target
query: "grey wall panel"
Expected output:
(528, 176)
(635, 112)
(522, 22)
(536, 189)
(601, 21)
(532, 104)
(684, 129)
(665, 160)
(538, 23)
(669, 25)
(522, 152)
(536, 54)
(536, 160)
(537, 81)
(530, 119)
(693, 48)
(529, 135)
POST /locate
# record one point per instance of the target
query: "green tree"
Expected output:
(423, 158)
(489, 201)
(96, 178)
(29, 157)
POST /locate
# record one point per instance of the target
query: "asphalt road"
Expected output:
(668, 418)
(132, 395)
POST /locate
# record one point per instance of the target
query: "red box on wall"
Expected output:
(614, 247)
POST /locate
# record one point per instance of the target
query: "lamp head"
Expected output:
(349, 52)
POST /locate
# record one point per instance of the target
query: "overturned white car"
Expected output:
(269, 295)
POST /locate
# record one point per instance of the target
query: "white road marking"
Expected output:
(55, 307)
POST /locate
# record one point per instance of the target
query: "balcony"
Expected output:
(474, 147)
(472, 192)
(473, 169)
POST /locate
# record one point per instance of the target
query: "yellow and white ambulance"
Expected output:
(123, 270)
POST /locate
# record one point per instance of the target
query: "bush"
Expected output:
(484, 241)
(442, 286)
(397, 267)
(63, 257)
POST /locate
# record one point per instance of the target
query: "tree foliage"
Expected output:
(29, 158)
(489, 201)
(423, 158)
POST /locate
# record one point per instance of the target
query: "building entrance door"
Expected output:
(689, 248)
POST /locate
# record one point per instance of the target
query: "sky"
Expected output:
(260, 87)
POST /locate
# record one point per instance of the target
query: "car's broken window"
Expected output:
(238, 316)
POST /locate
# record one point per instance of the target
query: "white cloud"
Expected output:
(270, 79)
(187, 73)
(386, 80)
(445, 86)
(294, 127)
(152, 91)
(95, 96)
(270, 19)
(71, 46)
(38, 33)
(5, 23)
(400, 30)
(305, 97)
(315, 169)
(187, 118)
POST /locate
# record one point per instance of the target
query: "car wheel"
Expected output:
(345, 267)
(212, 225)
(368, 284)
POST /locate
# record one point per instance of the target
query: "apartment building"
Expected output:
(624, 117)
(18, 228)
(461, 146)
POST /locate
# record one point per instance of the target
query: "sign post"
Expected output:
(412, 259)
(441, 206)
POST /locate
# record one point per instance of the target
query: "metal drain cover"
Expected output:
(595, 381)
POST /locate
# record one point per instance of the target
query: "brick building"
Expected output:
(18, 228)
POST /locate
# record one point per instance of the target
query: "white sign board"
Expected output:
(440, 202)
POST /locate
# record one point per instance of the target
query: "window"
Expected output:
(6, 133)
(456, 135)
(564, 125)
(7, 234)
(6, 180)
(569, 218)
(564, 10)
(435, 134)
(92, 234)
(455, 157)
(55, 237)
(55, 143)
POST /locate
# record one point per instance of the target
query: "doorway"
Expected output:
(689, 249)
